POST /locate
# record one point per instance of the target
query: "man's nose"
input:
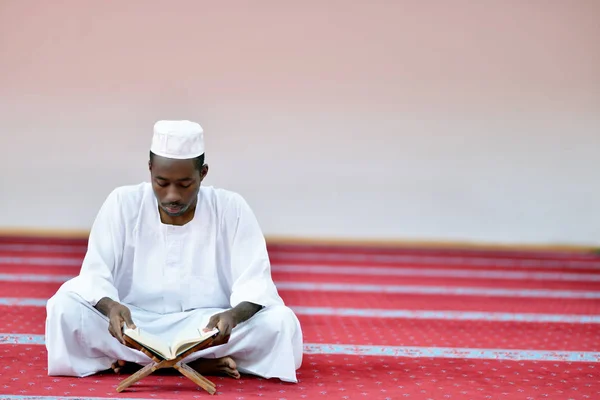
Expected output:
(173, 195)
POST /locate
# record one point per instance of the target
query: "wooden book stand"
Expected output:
(176, 363)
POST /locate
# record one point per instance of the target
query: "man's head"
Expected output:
(177, 166)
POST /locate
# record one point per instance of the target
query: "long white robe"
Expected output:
(171, 277)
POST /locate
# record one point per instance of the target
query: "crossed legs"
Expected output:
(78, 342)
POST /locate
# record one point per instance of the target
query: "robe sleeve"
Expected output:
(250, 264)
(105, 249)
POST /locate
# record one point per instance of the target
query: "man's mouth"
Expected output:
(174, 208)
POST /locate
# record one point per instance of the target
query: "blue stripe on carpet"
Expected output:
(370, 271)
(34, 278)
(439, 273)
(43, 261)
(438, 290)
(405, 314)
(406, 259)
(43, 248)
(14, 301)
(448, 315)
(492, 262)
(397, 289)
(398, 351)
(452, 352)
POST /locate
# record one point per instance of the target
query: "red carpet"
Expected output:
(440, 355)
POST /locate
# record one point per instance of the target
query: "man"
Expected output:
(172, 255)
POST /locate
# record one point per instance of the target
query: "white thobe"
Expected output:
(173, 277)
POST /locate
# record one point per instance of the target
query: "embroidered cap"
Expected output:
(178, 139)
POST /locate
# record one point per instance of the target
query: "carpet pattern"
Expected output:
(378, 323)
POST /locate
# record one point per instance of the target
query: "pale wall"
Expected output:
(445, 120)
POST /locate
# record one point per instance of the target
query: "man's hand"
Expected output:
(227, 320)
(224, 322)
(118, 315)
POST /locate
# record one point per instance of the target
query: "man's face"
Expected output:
(176, 184)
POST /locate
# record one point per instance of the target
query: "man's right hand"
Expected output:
(118, 315)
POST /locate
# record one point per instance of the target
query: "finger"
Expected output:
(117, 326)
(224, 328)
(224, 332)
(127, 317)
(212, 323)
(111, 328)
(218, 339)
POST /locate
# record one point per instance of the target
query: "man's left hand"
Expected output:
(224, 322)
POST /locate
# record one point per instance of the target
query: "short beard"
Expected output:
(178, 213)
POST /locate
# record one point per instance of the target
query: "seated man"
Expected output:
(170, 255)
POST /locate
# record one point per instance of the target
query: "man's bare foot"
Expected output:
(124, 367)
(118, 366)
(216, 366)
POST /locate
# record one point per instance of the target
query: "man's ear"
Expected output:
(204, 171)
(149, 165)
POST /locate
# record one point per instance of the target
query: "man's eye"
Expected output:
(162, 184)
(186, 186)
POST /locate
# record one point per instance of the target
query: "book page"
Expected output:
(187, 340)
(184, 341)
(151, 342)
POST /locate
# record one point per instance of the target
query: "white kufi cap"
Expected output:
(178, 139)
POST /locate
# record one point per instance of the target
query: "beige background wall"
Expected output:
(421, 120)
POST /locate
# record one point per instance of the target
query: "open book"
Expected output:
(177, 346)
